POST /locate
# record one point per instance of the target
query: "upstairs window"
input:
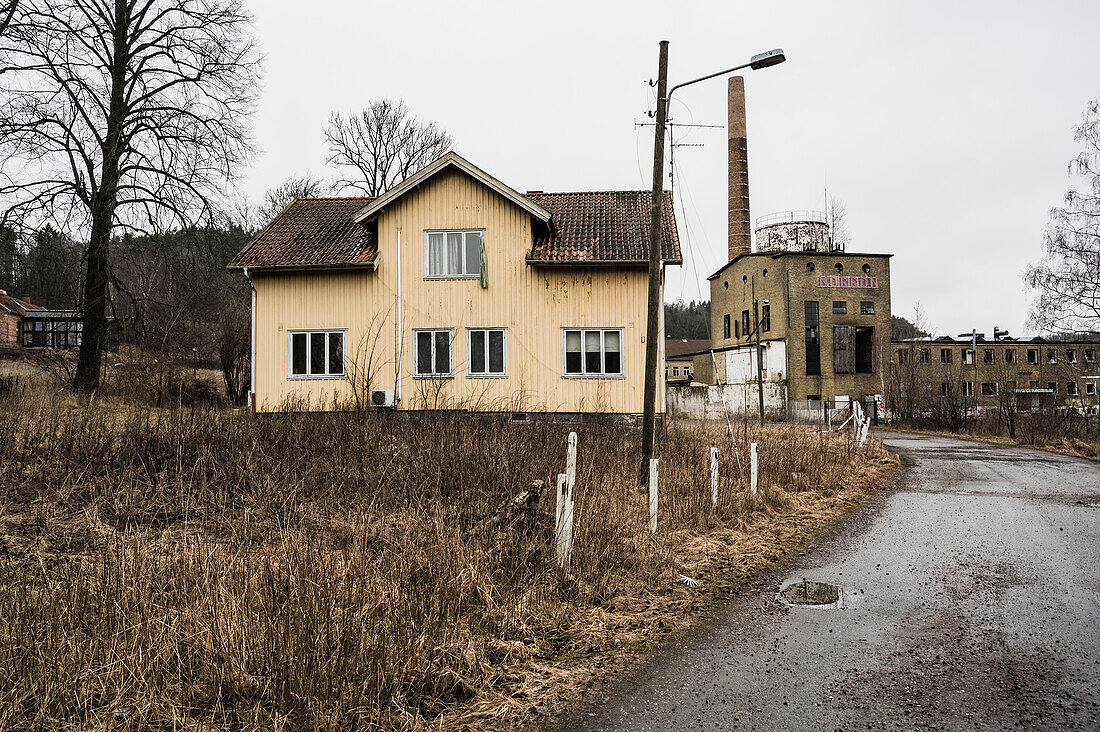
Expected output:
(1010, 355)
(840, 307)
(434, 354)
(867, 308)
(903, 357)
(968, 356)
(926, 355)
(945, 355)
(1033, 355)
(1071, 388)
(1090, 355)
(1071, 355)
(592, 353)
(746, 329)
(765, 318)
(987, 355)
(314, 354)
(968, 388)
(1052, 356)
(989, 388)
(726, 326)
(453, 254)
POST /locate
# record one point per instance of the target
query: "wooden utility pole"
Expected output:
(759, 360)
(653, 319)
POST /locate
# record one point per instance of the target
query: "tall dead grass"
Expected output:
(198, 568)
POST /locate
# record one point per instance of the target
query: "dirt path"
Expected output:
(970, 599)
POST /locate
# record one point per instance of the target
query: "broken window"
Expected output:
(968, 388)
(1052, 387)
(865, 346)
(989, 388)
(1010, 355)
(840, 307)
(987, 355)
(903, 356)
(813, 340)
(726, 326)
(968, 356)
(1090, 355)
(765, 318)
(867, 308)
(945, 389)
(852, 349)
(1052, 355)
(1071, 355)
(745, 327)
(1071, 388)
(1033, 355)
(1090, 388)
(926, 355)
(945, 355)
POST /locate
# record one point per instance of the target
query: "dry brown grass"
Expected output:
(202, 569)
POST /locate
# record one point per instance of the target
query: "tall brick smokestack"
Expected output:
(740, 227)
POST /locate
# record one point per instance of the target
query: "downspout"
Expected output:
(252, 346)
(397, 386)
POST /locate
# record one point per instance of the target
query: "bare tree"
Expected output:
(382, 145)
(838, 223)
(1068, 277)
(7, 12)
(280, 196)
(121, 115)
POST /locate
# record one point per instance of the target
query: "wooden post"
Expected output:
(714, 477)
(563, 529)
(755, 473)
(653, 495)
(571, 462)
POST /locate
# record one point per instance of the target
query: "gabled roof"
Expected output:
(15, 305)
(603, 227)
(450, 160)
(680, 347)
(313, 233)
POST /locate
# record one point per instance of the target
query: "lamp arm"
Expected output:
(704, 78)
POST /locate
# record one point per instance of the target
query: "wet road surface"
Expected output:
(970, 600)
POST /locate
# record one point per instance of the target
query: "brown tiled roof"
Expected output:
(312, 232)
(16, 305)
(676, 347)
(602, 226)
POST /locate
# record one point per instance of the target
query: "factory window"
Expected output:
(434, 351)
(852, 349)
(675, 370)
(810, 266)
(1071, 388)
(745, 328)
(987, 355)
(903, 356)
(989, 388)
(926, 355)
(945, 355)
(592, 353)
(736, 328)
(765, 271)
(968, 356)
(813, 340)
(1034, 384)
(839, 267)
(866, 308)
(866, 269)
(316, 354)
(840, 307)
(1090, 388)
(726, 326)
(744, 279)
(1033, 355)
(1011, 388)
(1052, 387)
(487, 352)
(765, 318)
(726, 285)
(968, 388)
(1090, 355)
(1052, 356)
(1071, 355)
(946, 389)
(1010, 355)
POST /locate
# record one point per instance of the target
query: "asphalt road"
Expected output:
(971, 600)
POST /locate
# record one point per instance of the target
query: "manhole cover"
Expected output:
(809, 592)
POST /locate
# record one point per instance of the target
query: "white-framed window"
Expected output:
(1090, 388)
(675, 370)
(989, 388)
(487, 352)
(968, 388)
(316, 354)
(1033, 355)
(453, 254)
(592, 352)
(1071, 388)
(968, 356)
(434, 353)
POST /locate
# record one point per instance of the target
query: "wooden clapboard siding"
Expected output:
(533, 303)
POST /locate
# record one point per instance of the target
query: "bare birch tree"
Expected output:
(121, 116)
(382, 145)
(280, 196)
(1067, 279)
(838, 223)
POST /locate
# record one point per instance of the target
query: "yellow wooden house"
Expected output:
(454, 291)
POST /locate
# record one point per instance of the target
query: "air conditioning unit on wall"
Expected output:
(381, 397)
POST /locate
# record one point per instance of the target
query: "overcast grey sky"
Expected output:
(945, 127)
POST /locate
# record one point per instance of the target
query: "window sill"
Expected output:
(433, 376)
(310, 377)
(453, 277)
(593, 376)
(486, 376)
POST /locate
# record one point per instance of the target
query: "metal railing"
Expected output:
(790, 217)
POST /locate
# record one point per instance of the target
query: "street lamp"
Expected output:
(653, 338)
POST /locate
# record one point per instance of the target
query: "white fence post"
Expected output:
(653, 496)
(754, 475)
(563, 530)
(571, 462)
(714, 477)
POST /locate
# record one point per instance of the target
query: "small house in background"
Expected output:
(454, 291)
(680, 357)
(26, 325)
(12, 312)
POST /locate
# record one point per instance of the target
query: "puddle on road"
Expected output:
(810, 593)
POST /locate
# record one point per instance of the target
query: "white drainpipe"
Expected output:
(397, 386)
(252, 346)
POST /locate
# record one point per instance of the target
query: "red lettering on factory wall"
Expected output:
(855, 281)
